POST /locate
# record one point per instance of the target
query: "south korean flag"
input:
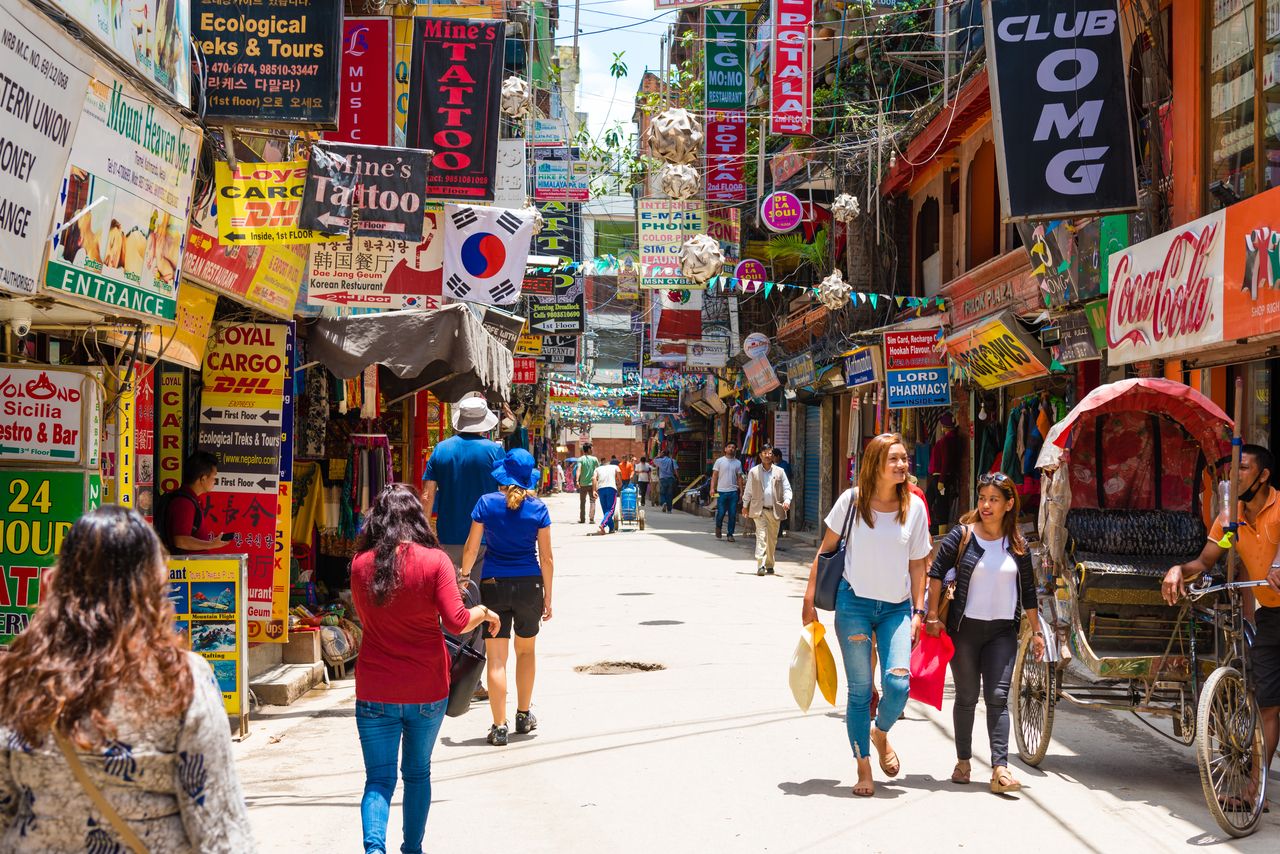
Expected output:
(485, 251)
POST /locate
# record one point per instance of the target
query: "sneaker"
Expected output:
(769, 570)
(761, 570)
(731, 539)
(526, 722)
(497, 735)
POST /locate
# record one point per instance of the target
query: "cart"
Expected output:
(1129, 480)
(629, 510)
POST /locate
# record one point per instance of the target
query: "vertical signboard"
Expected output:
(144, 432)
(564, 311)
(364, 83)
(791, 83)
(169, 456)
(664, 226)
(208, 596)
(726, 95)
(509, 190)
(284, 516)
(915, 371)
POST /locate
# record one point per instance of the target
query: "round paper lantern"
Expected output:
(678, 181)
(675, 136)
(701, 258)
(834, 291)
(516, 96)
(534, 214)
(845, 208)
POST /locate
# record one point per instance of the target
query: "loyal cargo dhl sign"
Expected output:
(259, 204)
(995, 352)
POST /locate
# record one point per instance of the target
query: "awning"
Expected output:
(446, 350)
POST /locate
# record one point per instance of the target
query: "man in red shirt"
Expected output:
(181, 520)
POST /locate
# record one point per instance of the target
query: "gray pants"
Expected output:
(455, 554)
(985, 650)
(586, 503)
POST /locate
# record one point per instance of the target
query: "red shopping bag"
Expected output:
(929, 668)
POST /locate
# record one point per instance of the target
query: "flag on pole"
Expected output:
(485, 252)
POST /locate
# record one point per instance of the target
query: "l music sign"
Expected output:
(791, 84)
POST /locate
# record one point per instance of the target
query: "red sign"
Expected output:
(525, 372)
(726, 150)
(917, 348)
(787, 163)
(364, 96)
(791, 84)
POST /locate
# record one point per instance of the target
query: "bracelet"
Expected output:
(933, 622)
(1038, 635)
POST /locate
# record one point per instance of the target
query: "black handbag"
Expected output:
(466, 659)
(831, 564)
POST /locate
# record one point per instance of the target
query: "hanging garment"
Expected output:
(315, 415)
(1011, 460)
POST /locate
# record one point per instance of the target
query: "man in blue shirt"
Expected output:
(667, 469)
(459, 471)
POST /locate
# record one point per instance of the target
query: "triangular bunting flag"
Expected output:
(768, 288)
(872, 297)
(900, 301)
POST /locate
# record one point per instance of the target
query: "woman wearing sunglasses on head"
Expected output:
(994, 586)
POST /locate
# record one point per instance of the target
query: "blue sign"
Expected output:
(918, 387)
(859, 367)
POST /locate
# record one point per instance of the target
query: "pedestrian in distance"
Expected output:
(766, 498)
(626, 470)
(606, 484)
(785, 525)
(404, 588)
(667, 469)
(990, 563)
(458, 472)
(880, 593)
(515, 583)
(587, 465)
(180, 519)
(727, 479)
(113, 737)
(644, 471)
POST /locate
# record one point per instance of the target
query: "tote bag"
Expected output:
(831, 564)
(466, 659)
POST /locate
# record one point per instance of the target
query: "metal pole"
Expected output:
(1234, 490)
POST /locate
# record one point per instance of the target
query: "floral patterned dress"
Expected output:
(172, 780)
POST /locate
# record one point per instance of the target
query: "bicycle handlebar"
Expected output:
(1200, 588)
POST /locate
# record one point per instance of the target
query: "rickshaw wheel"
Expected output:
(1229, 752)
(1032, 699)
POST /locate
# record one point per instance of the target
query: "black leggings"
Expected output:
(985, 650)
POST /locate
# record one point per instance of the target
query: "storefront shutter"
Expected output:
(812, 465)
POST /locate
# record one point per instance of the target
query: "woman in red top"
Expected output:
(404, 588)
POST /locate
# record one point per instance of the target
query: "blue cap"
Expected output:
(517, 469)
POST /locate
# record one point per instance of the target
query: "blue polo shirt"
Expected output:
(510, 536)
(462, 468)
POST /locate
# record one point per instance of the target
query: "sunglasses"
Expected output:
(996, 479)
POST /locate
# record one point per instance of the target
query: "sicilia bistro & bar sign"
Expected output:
(270, 62)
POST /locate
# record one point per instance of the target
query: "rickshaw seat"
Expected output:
(1124, 554)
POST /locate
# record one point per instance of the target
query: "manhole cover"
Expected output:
(663, 623)
(613, 668)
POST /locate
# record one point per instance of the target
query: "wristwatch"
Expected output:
(920, 611)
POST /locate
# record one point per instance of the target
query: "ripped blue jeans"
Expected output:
(857, 620)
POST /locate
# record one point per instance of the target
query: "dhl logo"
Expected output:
(262, 214)
(241, 385)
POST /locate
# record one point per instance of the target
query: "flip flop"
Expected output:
(889, 763)
(1001, 788)
(960, 774)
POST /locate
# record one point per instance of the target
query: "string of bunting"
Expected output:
(590, 413)
(561, 384)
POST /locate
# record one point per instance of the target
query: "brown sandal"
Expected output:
(865, 789)
(960, 774)
(889, 762)
(1003, 783)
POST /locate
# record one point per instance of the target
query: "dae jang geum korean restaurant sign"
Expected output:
(996, 352)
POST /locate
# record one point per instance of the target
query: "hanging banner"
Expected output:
(455, 85)
(558, 175)
(1076, 343)
(664, 226)
(373, 192)
(375, 272)
(996, 352)
(120, 234)
(559, 350)
(1053, 79)
(485, 252)
(680, 313)
(364, 83)
(781, 211)
(403, 25)
(510, 185)
(725, 81)
(144, 432)
(726, 156)
(172, 408)
(525, 372)
(503, 326)
(564, 310)
(862, 366)
(151, 38)
(265, 277)
(800, 371)
(209, 600)
(270, 62)
(259, 204)
(791, 83)
(725, 225)
(45, 414)
(665, 401)
(38, 130)
(761, 376)
(184, 343)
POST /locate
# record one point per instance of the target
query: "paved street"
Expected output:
(711, 753)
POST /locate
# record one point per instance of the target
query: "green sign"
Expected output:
(726, 73)
(122, 295)
(1096, 312)
(36, 511)
(1113, 237)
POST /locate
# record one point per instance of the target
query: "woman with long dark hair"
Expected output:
(995, 586)
(404, 589)
(99, 682)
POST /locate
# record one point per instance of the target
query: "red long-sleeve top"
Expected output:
(403, 658)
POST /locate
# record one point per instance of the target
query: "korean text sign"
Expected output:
(373, 192)
(380, 272)
(208, 596)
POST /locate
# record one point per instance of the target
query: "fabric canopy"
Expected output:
(446, 350)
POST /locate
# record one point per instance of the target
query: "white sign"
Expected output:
(42, 414)
(548, 132)
(756, 345)
(708, 353)
(485, 250)
(152, 38)
(41, 67)
(509, 184)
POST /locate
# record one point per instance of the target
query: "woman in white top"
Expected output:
(995, 586)
(881, 594)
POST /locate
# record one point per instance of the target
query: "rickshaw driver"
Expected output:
(1258, 539)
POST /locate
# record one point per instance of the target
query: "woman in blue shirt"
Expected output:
(515, 581)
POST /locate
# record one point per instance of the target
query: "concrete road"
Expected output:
(711, 753)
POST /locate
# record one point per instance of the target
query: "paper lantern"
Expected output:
(516, 96)
(534, 214)
(701, 258)
(845, 208)
(834, 291)
(675, 136)
(678, 181)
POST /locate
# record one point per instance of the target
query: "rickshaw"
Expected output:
(1129, 487)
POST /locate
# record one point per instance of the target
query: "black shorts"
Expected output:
(515, 600)
(1264, 657)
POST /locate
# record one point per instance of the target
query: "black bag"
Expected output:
(160, 518)
(831, 564)
(466, 659)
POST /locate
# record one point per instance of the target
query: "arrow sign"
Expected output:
(233, 237)
(212, 413)
(334, 223)
(270, 416)
(267, 484)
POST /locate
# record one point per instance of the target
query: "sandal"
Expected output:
(864, 789)
(960, 774)
(1003, 783)
(889, 763)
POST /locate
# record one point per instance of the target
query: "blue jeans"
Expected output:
(727, 505)
(608, 508)
(667, 491)
(381, 726)
(857, 619)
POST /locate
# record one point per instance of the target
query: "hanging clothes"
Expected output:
(1011, 458)
(314, 426)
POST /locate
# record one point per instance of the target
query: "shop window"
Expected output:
(984, 206)
(928, 254)
(1244, 98)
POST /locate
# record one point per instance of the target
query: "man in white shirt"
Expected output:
(766, 499)
(605, 482)
(726, 486)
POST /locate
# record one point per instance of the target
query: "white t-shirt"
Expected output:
(642, 471)
(608, 476)
(877, 559)
(727, 473)
(993, 587)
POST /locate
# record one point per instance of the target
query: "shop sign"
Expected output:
(1251, 259)
(563, 312)
(664, 226)
(781, 211)
(259, 204)
(502, 325)
(761, 376)
(726, 156)
(862, 367)
(455, 84)
(917, 387)
(1096, 313)
(791, 82)
(1065, 260)
(912, 348)
(380, 272)
(751, 270)
(509, 187)
(119, 238)
(529, 345)
(1054, 76)
(707, 353)
(371, 192)
(982, 303)
(558, 175)
(43, 414)
(756, 345)
(726, 60)
(209, 599)
(266, 277)
(144, 431)
(788, 162)
(524, 372)
(284, 495)
(271, 62)
(547, 132)
(44, 65)
(800, 371)
(37, 509)
(403, 24)
(725, 225)
(628, 276)
(559, 349)
(150, 38)
(994, 353)
(183, 343)
(364, 85)
(1076, 342)
(170, 429)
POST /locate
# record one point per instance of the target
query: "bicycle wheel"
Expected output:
(1031, 703)
(1229, 752)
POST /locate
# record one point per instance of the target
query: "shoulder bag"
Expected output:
(466, 658)
(949, 588)
(831, 564)
(100, 802)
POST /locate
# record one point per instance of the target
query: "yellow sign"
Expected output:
(529, 345)
(184, 343)
(994, 354)
(208, 596)
(169, 431)
(258, 204)
(244, 367)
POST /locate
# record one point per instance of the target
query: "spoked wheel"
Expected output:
(1031, 703)
(1229, 752)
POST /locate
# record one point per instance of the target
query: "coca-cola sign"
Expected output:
(1166, 293)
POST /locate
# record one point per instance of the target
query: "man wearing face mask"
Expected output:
(1258, 541)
